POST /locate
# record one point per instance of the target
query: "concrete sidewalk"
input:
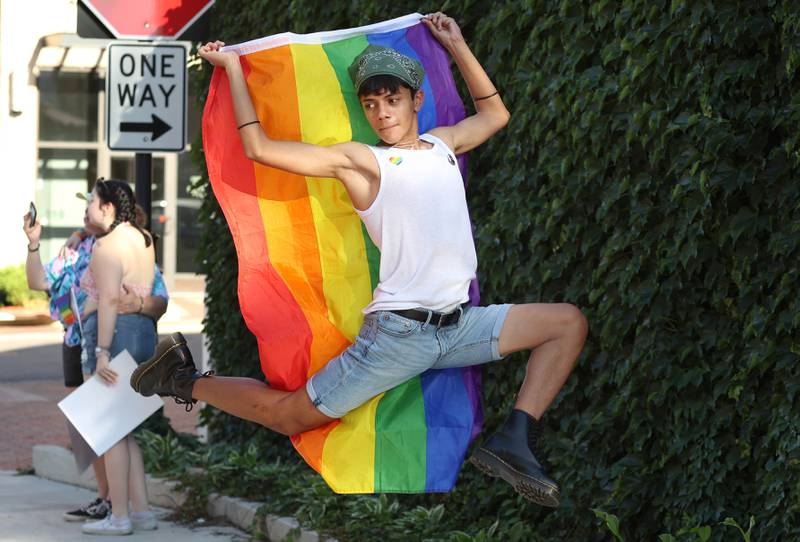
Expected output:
(30, 388)
(31, 378)
(31, 509)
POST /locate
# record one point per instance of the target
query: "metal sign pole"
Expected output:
(144, 182)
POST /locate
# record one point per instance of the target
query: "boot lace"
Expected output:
(188, 404)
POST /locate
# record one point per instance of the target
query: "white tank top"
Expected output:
(420, 223)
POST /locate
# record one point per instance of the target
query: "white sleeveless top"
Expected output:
(420, 223)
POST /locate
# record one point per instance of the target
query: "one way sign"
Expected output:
(146, 97)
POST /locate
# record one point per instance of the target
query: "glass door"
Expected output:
(68, 147)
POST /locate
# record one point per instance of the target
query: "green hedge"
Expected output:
(14, 288)
(649, 175)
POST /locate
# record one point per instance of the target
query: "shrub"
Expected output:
(14, 287)
(649, 176)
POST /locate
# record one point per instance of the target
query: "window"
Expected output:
(68, 106)
(68, 152)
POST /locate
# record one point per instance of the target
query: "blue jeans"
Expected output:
(135, 333)
(391, 349)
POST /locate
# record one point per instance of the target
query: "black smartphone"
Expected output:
(32, 212)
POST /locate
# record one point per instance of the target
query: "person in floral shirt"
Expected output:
(60, 277)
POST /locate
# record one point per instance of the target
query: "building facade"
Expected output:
(52, 123)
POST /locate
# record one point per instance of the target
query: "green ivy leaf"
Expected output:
(611, 521)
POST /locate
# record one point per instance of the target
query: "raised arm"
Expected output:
(340, 161)
(491, 114)
(34, 270)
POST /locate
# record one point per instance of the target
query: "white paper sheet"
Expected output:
(73, 305)
(103, 413)
(83, 453)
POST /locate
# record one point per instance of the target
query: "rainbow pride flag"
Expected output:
(64, 308)
(307, 266)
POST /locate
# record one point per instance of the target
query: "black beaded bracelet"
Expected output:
(249, 123)
(33, 249)
(495, 93)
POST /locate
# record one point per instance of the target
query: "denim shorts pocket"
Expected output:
(136, 334)
(366, 336)
(396, 326)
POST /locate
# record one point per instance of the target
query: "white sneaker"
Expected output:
(144, 521)
(109, 526)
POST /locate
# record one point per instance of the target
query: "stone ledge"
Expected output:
(242, 513)
(278, 528)
(239, 512)
(163, 492)
(58, 464)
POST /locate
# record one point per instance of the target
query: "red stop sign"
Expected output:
(147, 19)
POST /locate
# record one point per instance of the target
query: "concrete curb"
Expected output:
(58, 464)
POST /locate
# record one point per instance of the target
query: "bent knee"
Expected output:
(288, 426)
(576, 322)
(285, 427)
(296, 414)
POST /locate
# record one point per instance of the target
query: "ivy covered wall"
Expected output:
(649, 175)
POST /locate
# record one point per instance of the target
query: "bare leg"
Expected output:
(556, 333)
(117, 467)
(282, 411)
(99, 466)
(137, 487)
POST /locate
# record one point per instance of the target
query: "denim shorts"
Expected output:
(135, 333)
(391, 349)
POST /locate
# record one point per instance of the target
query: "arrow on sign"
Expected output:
(157, 127)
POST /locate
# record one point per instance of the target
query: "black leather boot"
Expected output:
(169, 373)
(509, 454)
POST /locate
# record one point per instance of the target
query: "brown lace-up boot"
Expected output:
(171, 372)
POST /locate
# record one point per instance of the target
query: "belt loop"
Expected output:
(460, 313)
(427, 320)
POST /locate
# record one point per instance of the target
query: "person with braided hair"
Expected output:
(123, 259)
(60, 277)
